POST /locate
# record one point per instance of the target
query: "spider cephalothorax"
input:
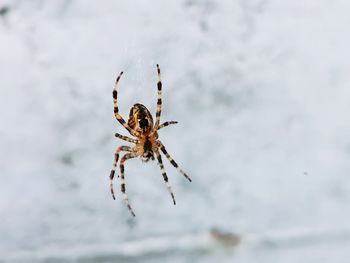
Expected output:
(147, 145)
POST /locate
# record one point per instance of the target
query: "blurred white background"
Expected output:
(261, 92)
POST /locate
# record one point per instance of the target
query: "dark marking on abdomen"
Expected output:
(144, 124)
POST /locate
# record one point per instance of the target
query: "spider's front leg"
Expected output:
(122, 179)
(114, 167)
(159, 98)
(116, 109)
(165, 177)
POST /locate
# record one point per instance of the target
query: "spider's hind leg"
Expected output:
(165, 177)
(114, 167)
(171, 160)
(122, 179)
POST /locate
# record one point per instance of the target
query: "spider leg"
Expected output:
(125, 138)
(114, 167)
(167, 123)
(171, 160)
(165, 177)
(116, 110)
(122, 179)
(159, 97)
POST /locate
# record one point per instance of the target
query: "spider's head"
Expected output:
(140, 119)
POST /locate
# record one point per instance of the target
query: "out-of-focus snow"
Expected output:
(260, 90)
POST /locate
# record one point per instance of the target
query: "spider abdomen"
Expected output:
(140, 119)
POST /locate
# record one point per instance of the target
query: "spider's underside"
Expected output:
(147, 145)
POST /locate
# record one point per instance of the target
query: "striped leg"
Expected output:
(114, 167)
(116, 110)
(161, 146)
(159, 97)
(122, 179)
(165, 177)
(167, 123)
(125, 138)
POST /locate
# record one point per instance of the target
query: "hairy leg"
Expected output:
(159, 98)
(116, 109)
(125, 138)
(171, 160)
(114, 167)
(122, 179)
(165, 177)
(165, 124)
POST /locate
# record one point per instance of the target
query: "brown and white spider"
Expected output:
(140, 125)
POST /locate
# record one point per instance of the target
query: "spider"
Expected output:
(147, 145)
